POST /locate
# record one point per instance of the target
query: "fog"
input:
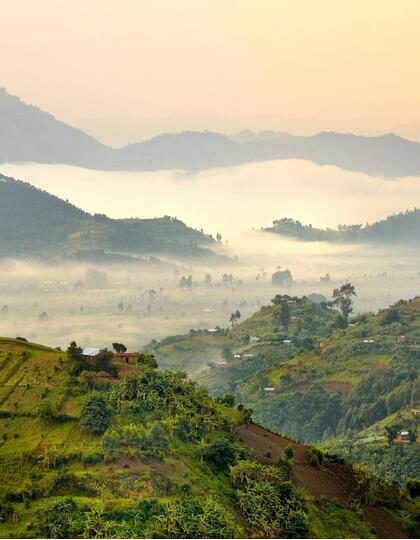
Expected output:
(53, 304)
(230, 200)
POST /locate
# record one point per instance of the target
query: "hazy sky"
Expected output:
(128, 69)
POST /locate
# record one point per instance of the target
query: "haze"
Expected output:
(232, 200)
(126, 71)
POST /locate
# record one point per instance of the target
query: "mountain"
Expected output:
(28, 134)
(98, 448)
(312, 377)
(34, 223)
(399, 228)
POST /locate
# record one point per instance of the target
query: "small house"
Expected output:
(254, 339)
(248, 355)
(90, 353)
(403, 437)
(269, 390)
(127, 357)
(287, 341)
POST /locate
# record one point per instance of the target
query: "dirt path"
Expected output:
(330, 481)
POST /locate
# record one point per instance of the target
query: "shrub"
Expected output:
(316, 456)
(6, 510)
(96, 415)
(297, 524)
(413, 487)
(221, 453)
(288, 452)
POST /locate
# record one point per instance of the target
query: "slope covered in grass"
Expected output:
(148, 453)
(313, 376)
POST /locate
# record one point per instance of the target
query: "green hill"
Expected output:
(98, 448)
(315, 378)
(34, 223)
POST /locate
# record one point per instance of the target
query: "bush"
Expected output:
(316, 456)
(47, 410)
(96, 415)
(297, 525)
(6, 510)
(288, 452)
(221, 453)
(413, 487)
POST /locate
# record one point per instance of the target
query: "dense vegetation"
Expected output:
(37, 224)
(396, 229)
(147, 453)
(314, 374)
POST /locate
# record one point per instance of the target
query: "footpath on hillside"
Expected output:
(333, 481)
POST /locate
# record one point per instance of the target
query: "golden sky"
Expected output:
(128, 69)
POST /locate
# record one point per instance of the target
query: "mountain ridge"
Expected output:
(36, 224)
(28, 134)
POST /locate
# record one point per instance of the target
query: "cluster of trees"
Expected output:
(78, 363)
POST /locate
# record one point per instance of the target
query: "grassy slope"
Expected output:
(335, 365)
(34, 452)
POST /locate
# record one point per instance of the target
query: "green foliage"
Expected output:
(288, 452)
(413, 487)
(297, 524)
(96, 415)
(47, 409)
(316, 456)
(191, 517)
(221, 453)
(342, 297)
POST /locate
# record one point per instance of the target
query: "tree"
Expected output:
(391, 316)
(343, 299)
(208, 280)
(412, 436)
(282, 316)
(103, 361)
(282, 278)
(391, 432)
(75, 357)
(96, 415)
(413, 487)
(47, 410)
(221, 453)
(119, 347)
(234, 317)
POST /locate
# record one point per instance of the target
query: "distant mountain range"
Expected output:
(402, 229)
(28, 134)
(34, 223)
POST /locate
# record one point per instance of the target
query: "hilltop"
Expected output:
(34, 223)
(396, 229)
(313, 377)
(56, 142)
(107, 449)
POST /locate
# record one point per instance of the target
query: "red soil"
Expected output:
(330, 481)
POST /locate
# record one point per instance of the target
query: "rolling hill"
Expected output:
(28, 134)
(34, 223)
(399, 229)
(132, 451)
(315, 379)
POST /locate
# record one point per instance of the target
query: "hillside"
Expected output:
(312, 377)
(34, 223)
(396, 229)
(100, 448)
(28, 134)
